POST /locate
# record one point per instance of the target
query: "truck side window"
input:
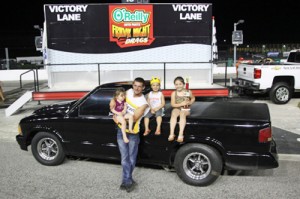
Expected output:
(96, 104)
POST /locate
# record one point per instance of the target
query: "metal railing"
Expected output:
(34, 78)
(164, 69)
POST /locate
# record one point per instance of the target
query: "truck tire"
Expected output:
(280, 93)
(47, 149)
(198, 164)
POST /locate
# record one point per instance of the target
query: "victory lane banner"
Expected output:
(118, 28)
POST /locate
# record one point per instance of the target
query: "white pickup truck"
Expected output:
(279, 80)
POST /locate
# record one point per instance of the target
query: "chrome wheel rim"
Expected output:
(282, 94)
(47, 149)
(197, 166)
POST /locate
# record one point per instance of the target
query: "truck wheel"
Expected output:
(47, 149)
(198, 164)
(280, 93)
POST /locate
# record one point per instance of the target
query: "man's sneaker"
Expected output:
(122, 186)
(134, 183)
(130, 187)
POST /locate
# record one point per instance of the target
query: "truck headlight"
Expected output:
(20, 130)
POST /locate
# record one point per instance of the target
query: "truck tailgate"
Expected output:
(246, 71)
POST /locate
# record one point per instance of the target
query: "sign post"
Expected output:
(237, 38)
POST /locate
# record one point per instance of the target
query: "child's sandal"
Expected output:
(171, 138)
(157, 133)
(180, 138)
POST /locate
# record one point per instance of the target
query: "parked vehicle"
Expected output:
(280, 81)
(218, 136)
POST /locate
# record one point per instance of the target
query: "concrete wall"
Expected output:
(13, 75)
(66, 80)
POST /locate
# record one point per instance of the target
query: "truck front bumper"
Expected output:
(21, 141)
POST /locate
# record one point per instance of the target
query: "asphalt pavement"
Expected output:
(22, 177)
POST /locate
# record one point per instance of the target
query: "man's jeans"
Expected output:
(128, 154)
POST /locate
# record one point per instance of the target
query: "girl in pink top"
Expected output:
(118, 107)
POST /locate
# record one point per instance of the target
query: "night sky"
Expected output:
(266, 21)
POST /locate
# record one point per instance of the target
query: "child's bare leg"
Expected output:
(182, 124)
(122, 120)
(130, 122)
(146, 123)
(173, 121)
(158, 122)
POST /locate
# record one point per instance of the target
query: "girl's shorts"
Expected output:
(157, 113)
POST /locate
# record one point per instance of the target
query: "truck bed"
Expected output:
(231, 111)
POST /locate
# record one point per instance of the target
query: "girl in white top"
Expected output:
(156, 100)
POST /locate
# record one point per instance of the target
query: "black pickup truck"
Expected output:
(218, 136)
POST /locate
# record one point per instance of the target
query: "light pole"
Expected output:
(283, 48)
(38, 40)
(38, 28)
(237, 38)
(263, 49)
(38, 44)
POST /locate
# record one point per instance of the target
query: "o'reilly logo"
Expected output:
(123, 15)
(131, 25)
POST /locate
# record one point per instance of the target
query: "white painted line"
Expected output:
(289, 157)
(298, 139)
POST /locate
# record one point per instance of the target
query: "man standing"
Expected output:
(138, 107)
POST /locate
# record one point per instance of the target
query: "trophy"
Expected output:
(187, 94)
